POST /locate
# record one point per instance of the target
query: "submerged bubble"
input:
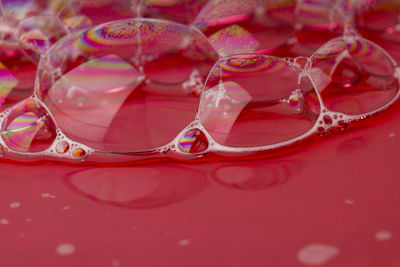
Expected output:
(193, 141)
(28, 128)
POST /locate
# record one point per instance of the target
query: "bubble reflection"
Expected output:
(256, 175)
(139, 187)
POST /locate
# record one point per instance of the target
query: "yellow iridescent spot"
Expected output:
(233, 39)
(78, 153)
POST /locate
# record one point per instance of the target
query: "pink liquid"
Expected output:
(334, 193)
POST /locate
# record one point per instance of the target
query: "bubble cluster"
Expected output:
(185, 78)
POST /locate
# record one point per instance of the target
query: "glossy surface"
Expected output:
(335, 202)
(332, 202)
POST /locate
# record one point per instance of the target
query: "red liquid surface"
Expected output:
(339, 191)
(333, 201)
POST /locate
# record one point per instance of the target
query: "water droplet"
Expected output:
(28, 128)
(62, 147)
(193, 141)
(383, 235)
(347, 73)
(317, 254)
(184, 242)
(79, 153)
(65, 249)
(4, 221)
(15, 205)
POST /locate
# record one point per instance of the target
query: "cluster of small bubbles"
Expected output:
(221, 98)
(331, 120)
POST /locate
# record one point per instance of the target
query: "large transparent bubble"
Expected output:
(354, 76)
(127, 85)
(253, 100)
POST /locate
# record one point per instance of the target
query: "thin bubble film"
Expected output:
(240, 41)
